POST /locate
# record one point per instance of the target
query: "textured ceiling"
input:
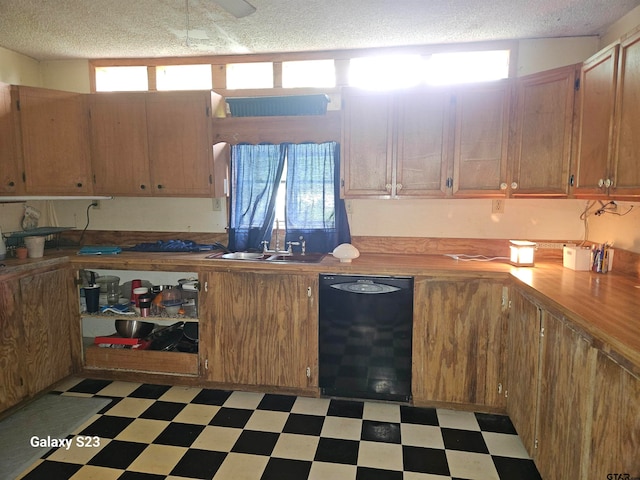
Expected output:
(64, 29)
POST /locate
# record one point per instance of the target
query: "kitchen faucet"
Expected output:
(289, 250)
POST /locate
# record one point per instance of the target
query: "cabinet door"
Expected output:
(566, 370)
(625, 172)
(481, 139)
(523, 349)
(284, 324)
(458, 341)
(55, 141)
(13, 382)
(543, 135)
(259, 329)
(47, 316)
(10, 158)
(595, 123)
(423, 156)
(180, 147)
(615, 434)
(228, 329)
(119, 151)
(367, 144)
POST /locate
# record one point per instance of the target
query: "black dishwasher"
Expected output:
(365, 336)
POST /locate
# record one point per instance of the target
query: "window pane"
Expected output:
(250, 75)
(183, 77)
(309, 73)
(121, 79)
(465, 67)
(386, 72)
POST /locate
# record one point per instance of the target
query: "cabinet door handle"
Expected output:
(601, 182)
(398, 187)
(608, 183)
(160, 187)
(503, 186)
(388, 187)
(142, 187)
(514, 185)
(79, 184)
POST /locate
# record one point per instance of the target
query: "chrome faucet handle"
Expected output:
(303, 244)
(290, 246)
(265, 246)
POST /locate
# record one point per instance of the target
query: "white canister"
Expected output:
(35, 246)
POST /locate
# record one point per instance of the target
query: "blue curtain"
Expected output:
(255, 174)
(314, 209)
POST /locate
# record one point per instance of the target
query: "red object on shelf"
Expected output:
(116, 340)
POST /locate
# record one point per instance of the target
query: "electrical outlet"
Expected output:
(497, 205)
(217, 204)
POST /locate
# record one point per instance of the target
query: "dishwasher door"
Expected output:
(365, 336)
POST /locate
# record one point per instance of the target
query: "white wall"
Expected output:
(16, 69)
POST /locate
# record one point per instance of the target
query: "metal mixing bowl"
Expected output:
(133, 328)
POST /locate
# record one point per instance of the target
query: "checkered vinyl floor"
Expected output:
(155, 432)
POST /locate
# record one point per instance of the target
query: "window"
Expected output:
(183, 77)
(121, 79)
(401, 71)
(250, 75)
(312, 207)
(309, 73)
(464, 67)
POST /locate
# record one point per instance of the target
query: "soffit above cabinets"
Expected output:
(67, 29)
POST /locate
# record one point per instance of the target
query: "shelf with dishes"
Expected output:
(136, 336)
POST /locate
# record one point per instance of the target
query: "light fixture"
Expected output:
(522, 253)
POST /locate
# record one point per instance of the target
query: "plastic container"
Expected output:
(35, 246)
(278, 106)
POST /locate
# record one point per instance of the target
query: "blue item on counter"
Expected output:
(99, 250)
(170, 246)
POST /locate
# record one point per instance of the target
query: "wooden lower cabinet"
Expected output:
(36, 322)
(458, 341)
(259, 329)
(566, 370)
(575, 409)
(523, 349)
(615, 429)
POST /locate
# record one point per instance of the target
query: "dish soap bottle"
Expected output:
(3, 247)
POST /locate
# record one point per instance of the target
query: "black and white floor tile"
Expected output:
(153, 432)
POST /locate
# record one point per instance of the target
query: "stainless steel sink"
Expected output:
(296, 258)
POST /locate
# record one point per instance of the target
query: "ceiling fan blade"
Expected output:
(237, 8)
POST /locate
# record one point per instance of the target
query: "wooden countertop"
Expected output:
(604, 307)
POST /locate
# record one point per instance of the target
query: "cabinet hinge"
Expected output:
(342, 182)
(206, 364)
(308, 372)
(206, 286)
(542, 331)
(576, 84)
(499, 388)
(535, 444)
(309, 292)
(24, 177)
(572, 179)
(210, 179)
(449, 182)
(208, 111)
(18, 105)
(94, 178)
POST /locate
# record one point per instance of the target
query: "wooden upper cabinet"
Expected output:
(481, 139)
(423, 135)
(367, 145)
(595, 124)
(180, 146)
(55, 141)
(625, 171)
(396, 144)
(10, 155)
(119, 148)
(541, 147)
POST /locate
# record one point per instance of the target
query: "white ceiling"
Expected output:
(65, 29)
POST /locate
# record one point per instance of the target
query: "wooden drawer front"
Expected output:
(141, 360)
